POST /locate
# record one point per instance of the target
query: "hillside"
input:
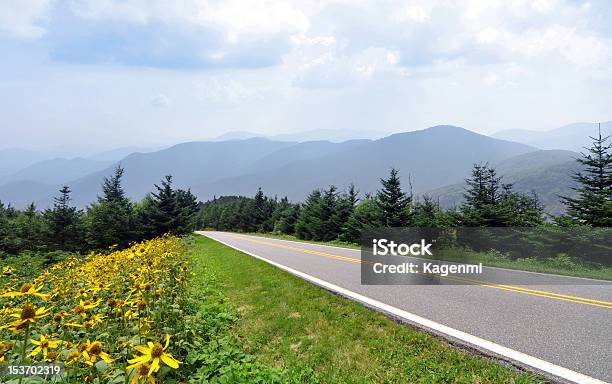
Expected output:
(434, 157)
(572, 137)
(547, 173)
(57, 171)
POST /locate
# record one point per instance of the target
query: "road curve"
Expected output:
(565, 324)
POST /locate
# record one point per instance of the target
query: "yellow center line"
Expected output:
(503, 287)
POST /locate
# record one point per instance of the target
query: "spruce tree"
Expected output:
(309, 223)
(64, 223)
(110, 219)
(393, 202)
(366, 215)
(593, 204)
(491, 203)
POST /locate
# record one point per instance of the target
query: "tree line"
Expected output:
(330, 214)
(112, 220)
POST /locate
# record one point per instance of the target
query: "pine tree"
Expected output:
(593, 205)
(393, 202)
(64, 223)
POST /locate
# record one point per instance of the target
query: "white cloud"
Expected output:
(160, 100)
(234, 17)
(21, 18)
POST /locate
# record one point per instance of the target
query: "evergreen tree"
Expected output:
(393, 202)
(309, 223)
(111, 220)
(168, 210)
(284, 216)
(593, 205)
(29, 230)
(491, 203)
(64, 223)
(366, 215)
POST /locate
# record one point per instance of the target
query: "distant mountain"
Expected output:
(333, 135)
(119, 153)
(57, 171)
(547, 173)
(237, 135)
(15, 159)
(20, 194)
(573, 137)
(434, 157)
(189, 163)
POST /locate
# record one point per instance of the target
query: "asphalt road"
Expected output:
(567, 322)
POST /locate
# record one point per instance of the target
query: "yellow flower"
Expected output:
(8, 270)
(142, 375)
(4, 349)
(91, 351)
(43, 345)
(28, 314)
(154, 353)
(27, 289)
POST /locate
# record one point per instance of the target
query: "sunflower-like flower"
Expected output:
(5, 348)
(155, 354)
(27, 289)
(90, 351)
(43, 345)
(28, 315)
(8, 270)
(141, 375)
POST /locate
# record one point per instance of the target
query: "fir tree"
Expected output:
(393, 202)
(111, 219)
(593, 204)
(64, 223)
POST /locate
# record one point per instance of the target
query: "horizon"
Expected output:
(108, 74)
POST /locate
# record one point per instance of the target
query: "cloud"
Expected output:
(22, 18)
(160, 100)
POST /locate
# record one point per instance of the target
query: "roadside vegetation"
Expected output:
(308, 335)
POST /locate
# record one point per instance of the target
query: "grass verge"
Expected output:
(312, 336)
(560, 265)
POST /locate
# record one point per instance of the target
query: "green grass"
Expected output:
(561, 265)
(313, 336)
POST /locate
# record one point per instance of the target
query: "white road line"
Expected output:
(482, 344)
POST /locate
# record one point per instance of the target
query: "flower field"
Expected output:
(108, 318)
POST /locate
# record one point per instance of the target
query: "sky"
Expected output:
(106, 73)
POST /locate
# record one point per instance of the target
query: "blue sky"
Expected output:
(106, 73)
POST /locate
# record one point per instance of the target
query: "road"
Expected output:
(562, 329)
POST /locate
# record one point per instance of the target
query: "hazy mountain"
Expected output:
(573, 137)
(57, 171)
(547, 173)
(15, 159)
(433, 157)
(19, 194)
(236, 135)
(189, 163)
(119, 153)
(333, 135)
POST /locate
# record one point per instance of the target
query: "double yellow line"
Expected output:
(503, 287)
